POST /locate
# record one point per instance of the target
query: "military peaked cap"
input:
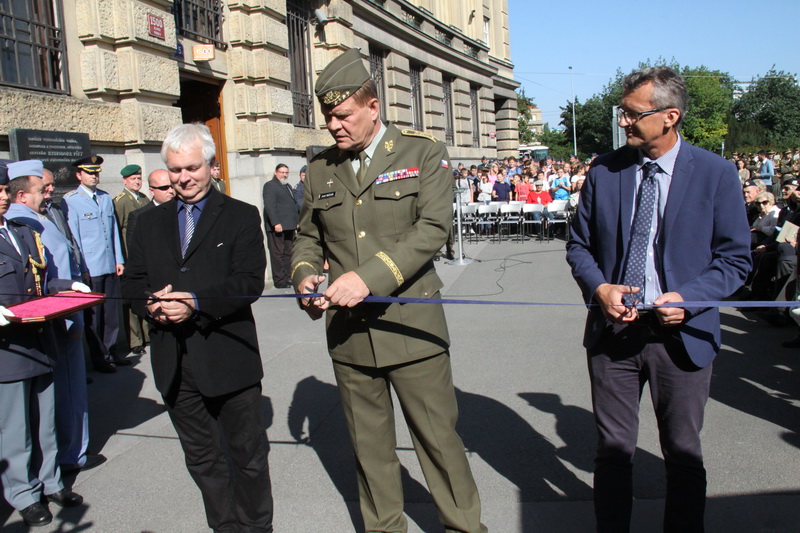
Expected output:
(89, 164)
(341, 78)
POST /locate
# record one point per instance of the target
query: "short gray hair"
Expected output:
(183, 137)
(669, 88)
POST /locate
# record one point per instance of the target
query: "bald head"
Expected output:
(160, 186)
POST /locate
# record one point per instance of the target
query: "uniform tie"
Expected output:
(640, 234)
(94, 198)
(4, 234)
(362, 169)
(188, 230)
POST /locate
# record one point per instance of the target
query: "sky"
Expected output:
(743, 38)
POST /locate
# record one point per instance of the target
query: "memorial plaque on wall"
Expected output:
(56, 149)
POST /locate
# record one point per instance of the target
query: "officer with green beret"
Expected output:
(377, 205)
(129, 200)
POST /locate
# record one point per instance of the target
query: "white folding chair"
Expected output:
(487, 217)
(557, 208)
(510, 216)
(528, 218)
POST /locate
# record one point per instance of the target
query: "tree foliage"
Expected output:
(524, 117)
(710, 99)
(556, 140)
(768, 114)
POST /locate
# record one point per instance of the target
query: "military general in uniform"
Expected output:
(377, 206)
(125, 203)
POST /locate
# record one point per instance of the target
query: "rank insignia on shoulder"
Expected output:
(327, 195)
(415, 133)
(403, 173)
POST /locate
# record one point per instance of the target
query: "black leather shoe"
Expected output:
(36, 515)
(65, 498)
(122, 362)
(138, 350)
(105, 367)
(91, 462)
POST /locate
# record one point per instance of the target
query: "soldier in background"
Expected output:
(125, 203)
(91, 218)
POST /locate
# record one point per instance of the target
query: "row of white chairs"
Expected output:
(479, 217)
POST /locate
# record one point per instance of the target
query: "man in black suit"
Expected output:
(280, 220)
(196, 264)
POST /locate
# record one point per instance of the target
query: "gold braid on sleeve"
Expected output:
(40, 265)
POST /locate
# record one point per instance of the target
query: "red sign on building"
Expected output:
(155, 26)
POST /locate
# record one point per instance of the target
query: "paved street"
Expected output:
(526, 421)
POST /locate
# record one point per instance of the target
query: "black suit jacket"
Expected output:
(133, 217)
(224, 267)
(279, 206)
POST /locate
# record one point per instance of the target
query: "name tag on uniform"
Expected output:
(89, 216)
(327, 195)
(394, 175)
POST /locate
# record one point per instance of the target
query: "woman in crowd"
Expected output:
(744, 174)
(764, 225)
(485, 194)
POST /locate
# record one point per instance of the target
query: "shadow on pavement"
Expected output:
(757, 375)
(315, 419)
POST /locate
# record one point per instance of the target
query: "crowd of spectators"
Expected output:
(521, 180)
(771, 189)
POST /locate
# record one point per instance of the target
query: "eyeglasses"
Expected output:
(765, 202)
(162, 187)
(635, 116)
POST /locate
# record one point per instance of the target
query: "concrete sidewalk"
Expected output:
(526, 421)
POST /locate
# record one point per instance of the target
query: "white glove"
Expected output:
(80, 287)
(3, 314)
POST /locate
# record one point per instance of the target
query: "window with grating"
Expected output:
(32, 47)
(449, 126)
(200, 20)
(376, 56)
(298, 21)
(474, 106)
(417, 112)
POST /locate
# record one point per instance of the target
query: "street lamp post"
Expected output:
(574, 131)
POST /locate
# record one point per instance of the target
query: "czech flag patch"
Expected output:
(445, 164)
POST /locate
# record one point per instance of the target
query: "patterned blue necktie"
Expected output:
(640, 234)
(188, 229)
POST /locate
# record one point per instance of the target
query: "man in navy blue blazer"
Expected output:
(692, 248)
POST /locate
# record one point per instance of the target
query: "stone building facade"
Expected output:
(126, 71)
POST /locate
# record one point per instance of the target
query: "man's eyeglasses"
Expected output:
(162, 187)
(635, 116)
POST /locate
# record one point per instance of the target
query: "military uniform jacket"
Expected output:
(126, 203)
(26, 350)
(387, 230)
(94, 227)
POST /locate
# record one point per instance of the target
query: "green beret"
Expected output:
(341, 78)
(130, 170)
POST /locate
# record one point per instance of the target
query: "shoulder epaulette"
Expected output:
(120, 195)
(70, 193)
(415, 133)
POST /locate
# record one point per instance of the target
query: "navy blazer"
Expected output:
(704, 239)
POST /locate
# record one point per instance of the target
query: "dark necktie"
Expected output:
(640, 234)
(188, 229)
(362, 169)
(4, 234)
(94, 198)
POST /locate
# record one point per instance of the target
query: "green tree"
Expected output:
(557, 141)
(524, 103)
(710, 100)
(773, 103)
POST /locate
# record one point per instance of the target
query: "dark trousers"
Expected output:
(619, 366)
(237, 498)
(280, 255)
(104, 320)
